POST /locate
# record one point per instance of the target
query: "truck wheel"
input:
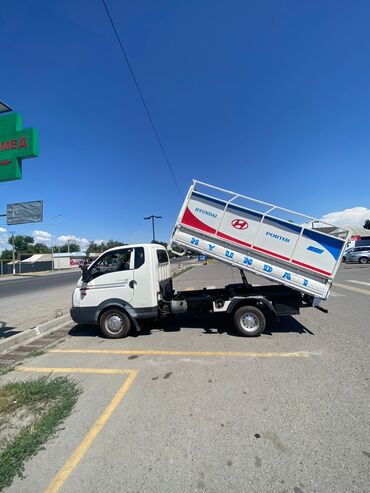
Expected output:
(114, 323)
(363, 260)
(249, 321)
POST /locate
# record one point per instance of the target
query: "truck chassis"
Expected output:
(249, 306)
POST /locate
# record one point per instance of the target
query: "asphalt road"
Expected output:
(24, 284)
(31, 300)
(193, 407)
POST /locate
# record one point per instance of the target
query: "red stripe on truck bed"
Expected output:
(312, 268)
(190, 220)
(270, 253)
(231, 238)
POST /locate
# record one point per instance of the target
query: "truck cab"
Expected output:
(122, 286)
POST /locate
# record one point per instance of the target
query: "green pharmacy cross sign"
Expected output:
(15, 144)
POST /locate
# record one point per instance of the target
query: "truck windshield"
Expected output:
(112, 262)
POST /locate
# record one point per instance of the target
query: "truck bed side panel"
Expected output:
(293, 254)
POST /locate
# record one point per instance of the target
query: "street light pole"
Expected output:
(152, 217)
(52, 244)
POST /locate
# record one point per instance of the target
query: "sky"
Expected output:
(270, 99)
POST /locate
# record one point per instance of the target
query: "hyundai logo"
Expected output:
(239, 224)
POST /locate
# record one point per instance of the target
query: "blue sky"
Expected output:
(268, 98)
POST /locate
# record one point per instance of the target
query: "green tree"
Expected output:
(93, 247)
(101, 247)
(41, 248)
(367, 224)
(6, 255)
(114, 243)
(22, 244)
(71, 247)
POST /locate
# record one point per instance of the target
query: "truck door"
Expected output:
(112, 277)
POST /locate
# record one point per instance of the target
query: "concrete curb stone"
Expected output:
(12, 342)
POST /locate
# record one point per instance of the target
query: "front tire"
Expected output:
(363, 260)
(114, 323)
(249, 321)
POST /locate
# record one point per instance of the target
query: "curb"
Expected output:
(25, 275)
(34, 333)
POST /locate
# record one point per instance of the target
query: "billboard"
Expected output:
(25, 212)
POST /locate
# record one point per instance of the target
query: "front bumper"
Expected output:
(84, 315)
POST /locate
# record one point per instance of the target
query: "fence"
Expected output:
(24, 268)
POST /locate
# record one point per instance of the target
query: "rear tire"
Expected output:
(249, 321)
(363, 260)
(114, 323)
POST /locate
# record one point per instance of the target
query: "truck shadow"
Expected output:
(6, 331)
(222, 324)
(206, 325)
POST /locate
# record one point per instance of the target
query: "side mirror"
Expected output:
(85, 273)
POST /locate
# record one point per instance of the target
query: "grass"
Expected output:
(4, 371)
(43, 403)
(182, 271)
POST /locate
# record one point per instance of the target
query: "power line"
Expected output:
(142, 99)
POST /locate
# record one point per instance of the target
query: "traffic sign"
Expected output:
(25, 212)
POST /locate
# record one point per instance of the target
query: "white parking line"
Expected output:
(352, 288)
(359, 282)
(336, 295)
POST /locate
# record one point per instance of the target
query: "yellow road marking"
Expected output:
(352, 288)
(73, 461)
(104, 371)
(154, 352)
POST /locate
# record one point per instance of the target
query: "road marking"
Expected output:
(73, 461)
(155, 352)
(352, 288)
(102, 371)
(189, 289)
(359, 282)
(336, 295)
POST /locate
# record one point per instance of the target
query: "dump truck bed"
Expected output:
(261, 238)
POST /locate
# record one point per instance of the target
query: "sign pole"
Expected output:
(13, 252)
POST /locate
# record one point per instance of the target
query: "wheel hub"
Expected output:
(114, 323)
(249, 322)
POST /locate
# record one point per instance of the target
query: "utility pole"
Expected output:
(12, 232)
(152, 218)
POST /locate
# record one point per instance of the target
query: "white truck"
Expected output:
(130, 283)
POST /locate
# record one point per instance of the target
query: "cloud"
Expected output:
(83, 242)
(3, 239)
(355, 216)
(41, 236)
(99, 242)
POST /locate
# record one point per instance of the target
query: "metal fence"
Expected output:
(6, 266)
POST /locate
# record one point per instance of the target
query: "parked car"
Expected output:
(358, 254)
